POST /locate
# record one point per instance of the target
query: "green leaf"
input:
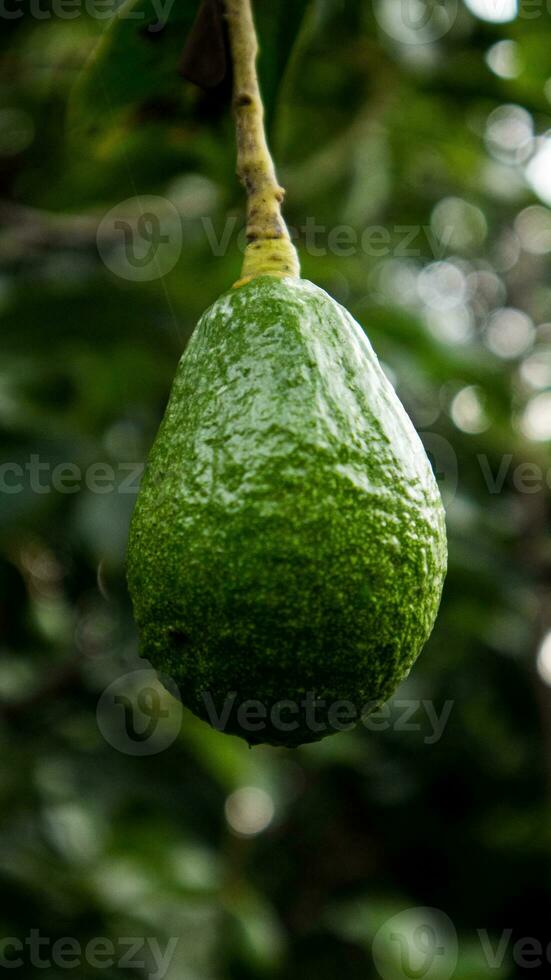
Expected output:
(278, 26)
(133, 72)
(134, 78)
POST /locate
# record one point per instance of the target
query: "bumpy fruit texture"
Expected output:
(288, 541)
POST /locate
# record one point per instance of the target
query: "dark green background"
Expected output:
(369, 132)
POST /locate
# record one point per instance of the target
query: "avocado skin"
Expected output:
(289, 535)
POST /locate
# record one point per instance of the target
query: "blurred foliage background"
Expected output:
(414, 143)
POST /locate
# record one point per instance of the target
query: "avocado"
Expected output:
(287, 549)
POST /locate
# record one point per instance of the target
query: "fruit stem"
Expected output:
(270, 250)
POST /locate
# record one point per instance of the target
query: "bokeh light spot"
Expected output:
(504, 60)
(536, 420)
(442, 286)
(533, 227)
(538, 170)
(249, 810)
(535, 371)
(544, 660)
(509, 332)
(458, 224)
(509, 133)
(467, 410)
(494, 11)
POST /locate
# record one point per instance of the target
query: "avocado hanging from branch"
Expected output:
(288, 542)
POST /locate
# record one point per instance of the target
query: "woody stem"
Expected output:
(269, 250)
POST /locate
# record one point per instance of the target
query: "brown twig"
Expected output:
(270, 250)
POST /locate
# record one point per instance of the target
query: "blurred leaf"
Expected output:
(134, 76)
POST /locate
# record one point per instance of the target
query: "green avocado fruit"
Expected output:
(287, 549)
